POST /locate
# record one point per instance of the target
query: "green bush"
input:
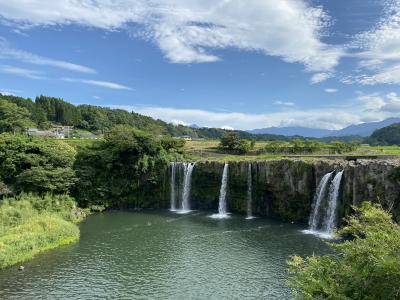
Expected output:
(38, 165)
(366, 265)
(231, 142)
(36, 235)
(122, 167)
(31, 224)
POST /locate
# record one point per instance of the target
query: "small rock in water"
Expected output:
(21, 268)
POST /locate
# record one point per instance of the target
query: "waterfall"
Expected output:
(249, 193)
(330, 219)
(173, 193)
(222, 212)
(318, 197)
(187, 177)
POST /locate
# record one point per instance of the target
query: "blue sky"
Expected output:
(239, 64)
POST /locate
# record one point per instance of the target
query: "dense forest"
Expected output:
(386, 136)
(46, 111)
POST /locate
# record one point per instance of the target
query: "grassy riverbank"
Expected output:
(32, 224)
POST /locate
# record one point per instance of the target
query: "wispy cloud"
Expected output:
(285, 103)
(320, 77)
(330, 90)
(99, 83)
(189, 31)
(378, 50)
(9, 52)
(32, 74)
(9, 92)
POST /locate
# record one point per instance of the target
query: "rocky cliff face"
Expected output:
(285, 188)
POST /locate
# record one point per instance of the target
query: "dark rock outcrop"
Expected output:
(285, 188)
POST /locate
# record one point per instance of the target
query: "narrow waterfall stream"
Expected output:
(330, 220)
(222, 211)
(249, 193)
(320, 194)
(187, 177)
(325, 206)
(173, 187)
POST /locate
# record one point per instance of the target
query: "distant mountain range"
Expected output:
(364, 130)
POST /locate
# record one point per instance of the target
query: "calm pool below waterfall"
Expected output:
(161, 255)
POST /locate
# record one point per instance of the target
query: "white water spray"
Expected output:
(330, 220)
(222, 211)
(173, 192)
(187, 177)
(319, 196)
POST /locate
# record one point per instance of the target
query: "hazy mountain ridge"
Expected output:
(363, 130)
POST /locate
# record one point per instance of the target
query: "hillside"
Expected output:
(45, 111)
(389, 135)
(294, 130)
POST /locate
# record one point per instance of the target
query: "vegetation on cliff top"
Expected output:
(366, 264)
(120, 168)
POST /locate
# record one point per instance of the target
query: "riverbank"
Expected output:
(32, 224)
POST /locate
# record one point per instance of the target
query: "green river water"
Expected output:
(161, 255)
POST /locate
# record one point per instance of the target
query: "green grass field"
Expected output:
(208, 149)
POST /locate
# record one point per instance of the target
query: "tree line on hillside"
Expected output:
(386, 136)
(17, 113)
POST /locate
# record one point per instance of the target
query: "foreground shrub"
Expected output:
(32, 224)
(366, 266)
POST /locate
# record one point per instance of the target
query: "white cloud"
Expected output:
(320, 77)
(323, 118)
(188, 31)
(8, 52)
(330, 90)
(178, 122)
(227, 127)
(364, 108)
(6, 93)
(379, 50)
(32, 74)
(9, 92)
(382, 106)
(285, 103)
(103, 84)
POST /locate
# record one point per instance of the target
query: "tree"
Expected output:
(36, 165)
(366, 264)
(232, 142)
(123, 167)
(13, 118)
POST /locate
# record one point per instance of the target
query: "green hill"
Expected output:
(386, 136)
(47, 111)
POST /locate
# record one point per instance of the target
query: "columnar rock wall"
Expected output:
(285, 188)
